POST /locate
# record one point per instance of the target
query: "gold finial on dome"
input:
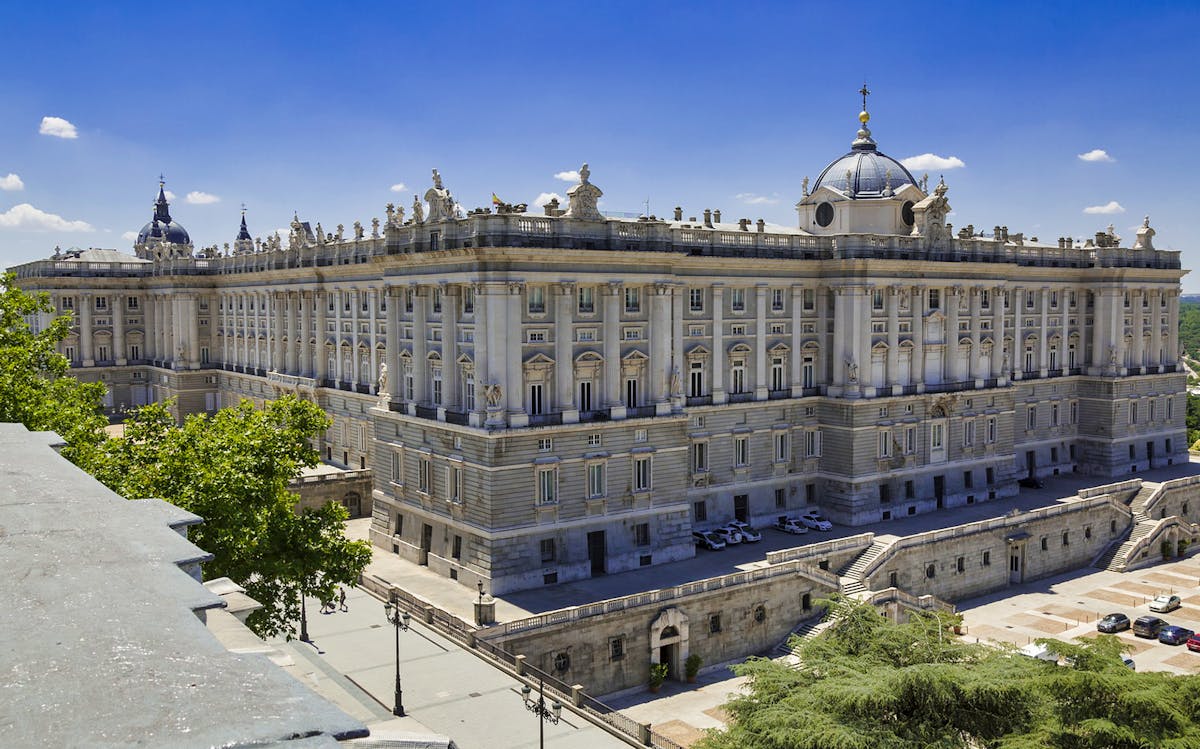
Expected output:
(864, 116)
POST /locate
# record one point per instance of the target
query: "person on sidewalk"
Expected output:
(342, 600)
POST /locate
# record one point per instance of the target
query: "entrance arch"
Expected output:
(669, 641)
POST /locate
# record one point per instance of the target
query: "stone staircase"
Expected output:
(806, 631)
(1138, 503)
(1141, 526)
(850, 576)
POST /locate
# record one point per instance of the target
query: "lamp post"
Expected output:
(480, 584)
(538, 708)
(303, 621)
(399, 620)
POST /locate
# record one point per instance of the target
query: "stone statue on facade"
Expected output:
(341, 230)
(676, 383)
(320, 234)
(358, 230)
(1145, 236)
(851, 372)
(441, 203)
(418, 211)
(930, 217)
(374, 228)
(582, 198)
(1112, 356)
(391, 213)
(381, 388)
(493, 394)
(804, 187)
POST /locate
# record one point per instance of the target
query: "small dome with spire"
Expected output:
(865, 172)
(162, 227)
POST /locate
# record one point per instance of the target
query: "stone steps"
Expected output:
(1119, 559)
(806, 631)
(855, 566)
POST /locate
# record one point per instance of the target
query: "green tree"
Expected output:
(233, 469)
(35, 387)
(867, 682)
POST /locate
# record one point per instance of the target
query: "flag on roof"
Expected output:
(496, 199)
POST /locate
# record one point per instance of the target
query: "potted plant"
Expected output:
(658, 674)
(1165, 548)
(691, 667)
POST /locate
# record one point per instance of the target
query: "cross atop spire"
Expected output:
(865, 92)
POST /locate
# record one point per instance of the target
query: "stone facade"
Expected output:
(547, 397)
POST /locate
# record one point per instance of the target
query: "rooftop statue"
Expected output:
(418, 211)
(582, 198)
(441, 203)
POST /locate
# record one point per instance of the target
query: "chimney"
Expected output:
(717, 216)
(744, 224)
(678, 213)
(551, 208)
(1004, 233)
(762, 225)
(707, 218)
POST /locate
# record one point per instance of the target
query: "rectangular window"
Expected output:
(1053, 414)
(737, 330)
(700, 510)
(885, 444)
(640, 435)
(1133, 413)
(737, 300)
(714, 623)
(135, 352)
(696, 300)
(102, 353)
(633, 299)
(595, 440)
(131, 302)
(641, 534)
(536, 297)
(968, 479)
(991, 429)
(780, 499)
(547, 485)
(587, 300)
(596, 476)
(536, 336)
(535, 399)
(437, 385)
(910, 440)
(397, 476)
(548, 550)
(469, 391)
(877, 299)
(424, 476)
(616, 648)
(101, 303)
(468, 300)
(937, 436)
(457, 552)
(741, 451)
(777, 300)
(812, 443)
(545, 444)
(641, 474)
(777, 382)
(1170, 409)
(782, 452)
(699, 457)
(808, 299)
(585, 335)
(968, 433)
(1031, 417)
(68, 302)
(935, 298)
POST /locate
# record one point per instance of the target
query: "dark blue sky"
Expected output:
(321, 108)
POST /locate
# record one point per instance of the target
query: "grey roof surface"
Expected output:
(101, 644)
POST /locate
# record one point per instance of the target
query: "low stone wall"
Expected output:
(352, 489)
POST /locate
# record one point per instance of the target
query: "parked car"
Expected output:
(1193, 643)
(1165, 603)
(708, 540)
(749, 535)
(1031, 482)
(1148, 626)
(1038, 652)
(1174, 635)
(790, 525)
(728, 534)
(1129, 663)
(813, 519)
(1113, 623)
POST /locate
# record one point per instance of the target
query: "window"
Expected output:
(631, 393)
(1066, 538)
(935, 298)
(991, 429)
(741, 451)
(641, 474)
(696, 300)
(587, 300)
(777, 373)
(536, 298)
(909, 490)
(780, 499)
(985, 299)
(812, 443)
(1053, 414)
(700, 510)
(937, 436)
(639, 435)
(547, 485)
(877, 299)
(987, 559)
(596, 474)
(535, 399)
(885, 444)
(714, 623)
(782, 451)
(135, 352)
(548, 550)
(469, 390)
(737, 300)
(536, 336)
(616, 648)
(1170, 409)
(968, 433)
(585, 397)
(738, 376)
(436, 373)
(737, 330)
(695, 331)
(1133, 413)
(695, 379)
(545, 444)
(468, 300)
(456, 553)
(968, 479)
(397, 468)
(68, 302)
(777, 300)
(101, 303)
(633, 299)
(960, 564)
(699, 457)
(1045, 543)
(641, 534)
(131, 302)
(885, 494)
(595, 440)
(1031, 417)
(424, 476)
(808, 299)
(408, 300)
(585, 335)
(910, 440)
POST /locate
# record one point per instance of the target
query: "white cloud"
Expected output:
(283, 232)
(750, 198)
(399, 187)
(27, 218)
(170, 195)
(1111, 206)
(195, 197)
(569, 176)
(129, 236)
(932, 161)
(1096, 154)
(11, 183)
(58, 127)
(545, 197)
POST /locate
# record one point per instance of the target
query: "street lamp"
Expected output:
(399, 620)
(538, 708)
(480, 584)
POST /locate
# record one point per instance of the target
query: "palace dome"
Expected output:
(162, 226)
(871, 171)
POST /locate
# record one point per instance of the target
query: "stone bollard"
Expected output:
(485, 611)
(644, 733)
(577, 695)
(520, 664)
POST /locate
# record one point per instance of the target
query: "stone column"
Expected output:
(974, 360)
(392, 345)
(373, 303)
(338, 361)
(761, 376)
(1139, 322)
(564, 365)
(306, 354)
(118, 313)
(952, 366)
(451, 377)
(278, 302)
(293, 331)
(612, 349)
(192, 311)
(86, 301)
(1173, 327)
(893, 338)
(150, 326)
(998, 335)
(677, 359)
(718, 339)
(354, 376)
(1156, 345)
(1044, 334)
(481, 352)
(660, 347)
(515, 392)
(826, 356)
(797, 340)
(320, 357)
(1018, 300)
(917, 365)
(1099, 358)
(420, 350)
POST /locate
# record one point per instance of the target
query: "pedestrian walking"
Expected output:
(342, 600)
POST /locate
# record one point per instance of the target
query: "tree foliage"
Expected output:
(36, 388)
(1189, 328)
(233, 469)
(867, 682)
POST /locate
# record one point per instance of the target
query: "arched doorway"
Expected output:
(669, 641)
(353, 504)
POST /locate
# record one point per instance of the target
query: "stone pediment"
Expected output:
(538, 359)
(589, 357)
(698, 350)
(779, 348)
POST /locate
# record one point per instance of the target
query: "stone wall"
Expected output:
(351, 489)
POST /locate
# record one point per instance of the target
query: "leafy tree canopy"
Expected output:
(867, 682)
(233, 469)
(35, 387)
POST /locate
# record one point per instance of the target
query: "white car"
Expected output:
(728, 534)
(749, 535)
(1165, 603)
(708, 540)
(813, 519)
(790, 525)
